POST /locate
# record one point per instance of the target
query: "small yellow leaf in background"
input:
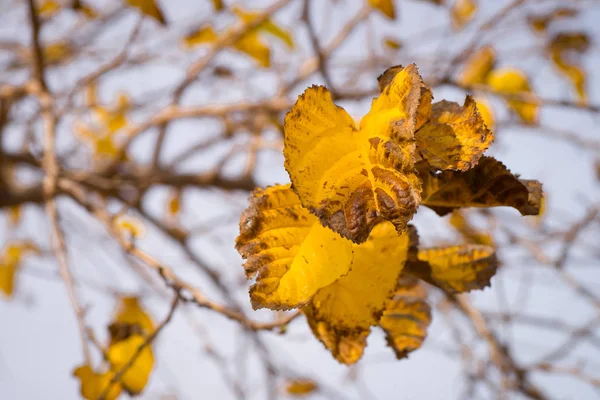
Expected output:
(130, 226)
(392, 43)
(93, 384)
(49, 8)
(539, 23)
(14, 215)
(511, 81)
(136, 377)
(218, 5)
(406, 317)
(486, 112)
(456, 269)
(267, 26)
(386, 7)
(300, 387)
(10, 262)
(477, 67)
(252, 45)
(455, 137)
(174, 204)
(488, 184)
(564, 48)
(353, 178)
(114, 118)
(57, 52)
(148, 8)
(202, 35)
(462, 12)
(130, 312)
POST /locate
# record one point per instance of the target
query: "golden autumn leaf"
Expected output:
(135, 378)
(10, 262)
(93, 384)
(455, 137)
(148, 8)
(14, 215)
(218, 5)
(488, 184)
(252, 45)
(487, 113)
(57, 52)
(268, 26)
(300, 387)
(130, 317)
(250, 42)
(539, 23)
(477, 67)
(352, 177)
(456, 269)
(563, 49)
(406, 317)
(469, 233)
(462, 12)
(49, 8)
(202, 35)
(392, 43)
(386, 7)
(292, 255)
(510, 82)
(114, 118)
(341, 314)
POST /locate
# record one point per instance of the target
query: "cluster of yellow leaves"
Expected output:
(250, 42)
(511, 83)
(129, 331)
(108, 121)
(336, 242)
(10, 262)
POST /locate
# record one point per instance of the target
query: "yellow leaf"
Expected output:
(392, 43)
(136, 377)
(300, 387)
(511, 81)
(202, 35)
(14, 215)
(477, 67)
(49, 8)
(539, 23)
(93, 384)
(129, 313)
(386, 7)
(292, 254)
(459, 221)
(456, 269)
(57, 52)
(130, 225)
(7, 278)
(114, 118)
(355, 301)
(252, 45)
(353, 178)
(148, 8)
(406, 317)
(462, 12)
(10, 262)
(267, 26)
(488, 184)
(562, 47)
(174, 203)
(486, 112)
(218, 5)
(455, 137)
